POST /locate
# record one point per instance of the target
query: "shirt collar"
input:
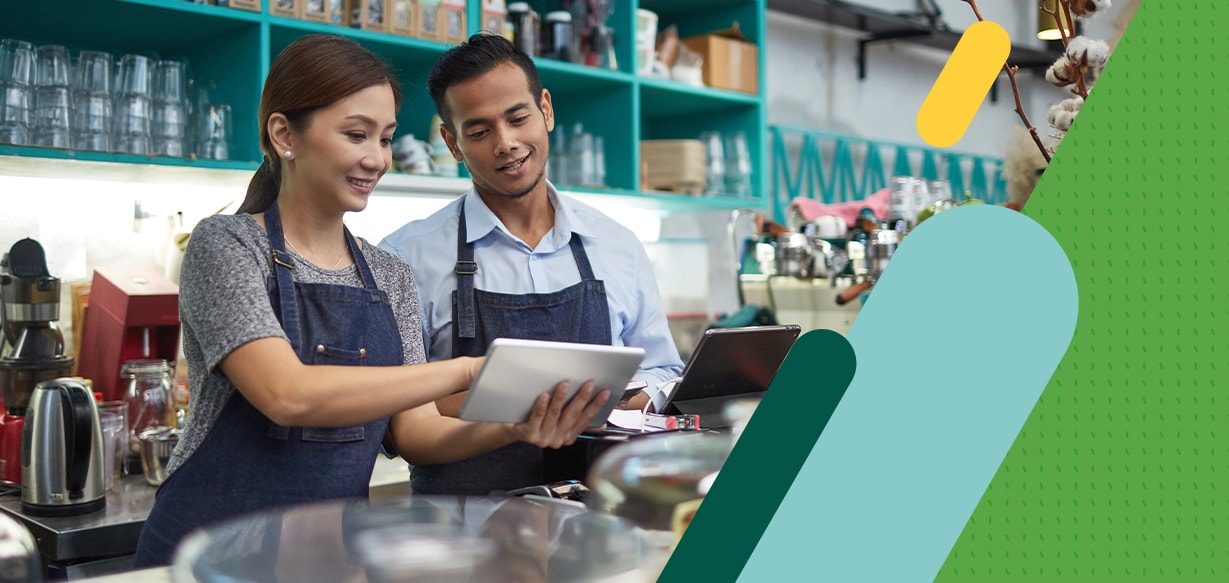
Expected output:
(480, 221)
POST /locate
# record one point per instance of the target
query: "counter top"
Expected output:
(109, 532)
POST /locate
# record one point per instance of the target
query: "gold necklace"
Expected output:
(296, 250)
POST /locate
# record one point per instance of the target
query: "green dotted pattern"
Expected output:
(1122, 470)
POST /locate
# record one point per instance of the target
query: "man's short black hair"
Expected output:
(478, 55)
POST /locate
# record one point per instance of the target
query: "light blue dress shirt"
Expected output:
(507, 265)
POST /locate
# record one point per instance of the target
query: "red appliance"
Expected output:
(11, 429)
(132, 315)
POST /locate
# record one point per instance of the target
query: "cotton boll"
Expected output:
(1087, 52)
(1060, 118)
(1063, 72)
(1073, 104)
(1087, 7)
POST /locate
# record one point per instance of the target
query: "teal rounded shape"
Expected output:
(971, 318)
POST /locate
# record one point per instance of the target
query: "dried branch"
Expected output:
(1015, 91)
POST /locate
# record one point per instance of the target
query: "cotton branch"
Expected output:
(1062, 13)
(1015, 91)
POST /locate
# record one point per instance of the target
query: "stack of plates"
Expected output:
(673, 165)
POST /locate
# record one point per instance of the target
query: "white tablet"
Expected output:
(517, 371)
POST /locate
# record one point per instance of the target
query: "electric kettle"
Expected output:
(61, 453)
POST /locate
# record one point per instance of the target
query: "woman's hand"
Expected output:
(556, 421)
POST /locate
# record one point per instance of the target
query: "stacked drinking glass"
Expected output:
(133, 105)
(213, 129)
(93, 101)
(53, 100)
(169, 99)
(16, 80)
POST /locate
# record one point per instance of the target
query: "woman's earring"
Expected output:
(288, 154)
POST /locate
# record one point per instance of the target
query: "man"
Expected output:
(514, 258)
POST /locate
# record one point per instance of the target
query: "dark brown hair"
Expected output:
(478, 55)
(314, 72)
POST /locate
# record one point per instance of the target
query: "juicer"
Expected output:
(33, 346)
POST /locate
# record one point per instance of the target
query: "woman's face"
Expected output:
(345, 150)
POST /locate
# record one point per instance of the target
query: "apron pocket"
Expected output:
(320, 434)
(323, 354)
(334, 434)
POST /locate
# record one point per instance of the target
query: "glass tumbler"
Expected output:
(53, 103)
(113, 418)
(93, 74)
(92, 101)
(132, 116)
(737, 165)
(214, 132)
(167, 128)
(92, 122)
(52, 66)
(53, 117)
(170, 84)
(133, 76)
(714, 171)
(16, 91)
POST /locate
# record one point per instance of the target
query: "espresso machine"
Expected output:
(33, 346)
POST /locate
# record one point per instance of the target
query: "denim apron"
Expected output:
(248, 463)
(574, 314)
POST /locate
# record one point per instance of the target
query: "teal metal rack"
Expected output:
(830, 168)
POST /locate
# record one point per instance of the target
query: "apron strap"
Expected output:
(466, 267)
(283, 263)
(364, 270)
(582, 258)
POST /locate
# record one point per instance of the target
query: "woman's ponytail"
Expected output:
(263, 189)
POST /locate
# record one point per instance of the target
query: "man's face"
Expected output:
(501, 131)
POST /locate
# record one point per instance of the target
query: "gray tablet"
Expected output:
(517, 371)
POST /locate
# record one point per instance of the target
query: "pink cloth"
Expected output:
(849, 211)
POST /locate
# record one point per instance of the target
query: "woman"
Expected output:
(294, 330)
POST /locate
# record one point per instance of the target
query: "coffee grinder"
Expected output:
(33, 346)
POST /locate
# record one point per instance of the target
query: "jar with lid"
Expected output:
(149, 384)
(525, 25)
(557, 35)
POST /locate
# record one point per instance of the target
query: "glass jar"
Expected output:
(657, 482)
(147, 391)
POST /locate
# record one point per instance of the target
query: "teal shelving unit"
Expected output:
(233, 49)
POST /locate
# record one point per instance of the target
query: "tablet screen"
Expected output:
(516, 371)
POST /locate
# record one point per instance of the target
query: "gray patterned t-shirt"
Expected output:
(224, 304)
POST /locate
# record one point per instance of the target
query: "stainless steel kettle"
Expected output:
(61, 453)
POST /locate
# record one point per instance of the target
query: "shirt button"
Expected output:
(320, 348)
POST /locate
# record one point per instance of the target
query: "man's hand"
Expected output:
(637, 402)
